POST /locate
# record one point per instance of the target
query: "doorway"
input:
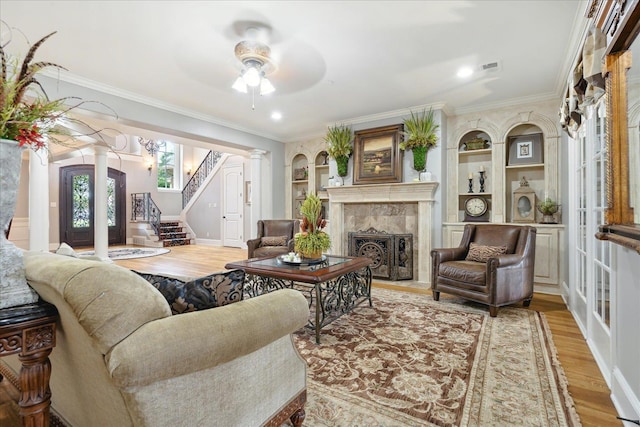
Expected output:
(77, 186)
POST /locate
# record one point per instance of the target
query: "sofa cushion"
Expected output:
(464, 271)
(210, 291)
(482, 253)
(66, 250)
(274, 241)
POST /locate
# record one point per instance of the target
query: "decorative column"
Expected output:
(38, 201)
(256, 190)
(101, 227)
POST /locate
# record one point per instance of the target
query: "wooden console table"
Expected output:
(30, 331)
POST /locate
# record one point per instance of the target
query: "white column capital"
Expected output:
(257, 154)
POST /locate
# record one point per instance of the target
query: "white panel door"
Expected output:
(232, 223)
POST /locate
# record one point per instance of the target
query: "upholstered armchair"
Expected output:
(493, 265)
(275, 237)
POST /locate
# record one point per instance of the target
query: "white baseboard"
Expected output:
(626, 402)
(208, 242)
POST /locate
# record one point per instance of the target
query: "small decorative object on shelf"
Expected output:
(470, 183)
(524, 200)
(481, 181)
(325, 158)
(476, 209)
(476, 144)
(548, 208)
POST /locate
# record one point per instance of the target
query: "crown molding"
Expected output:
(131, 96)
(395, 113)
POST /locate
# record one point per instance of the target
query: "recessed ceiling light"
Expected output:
(465, 72)
(276, 115)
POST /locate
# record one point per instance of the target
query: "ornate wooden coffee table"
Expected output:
(333, 287)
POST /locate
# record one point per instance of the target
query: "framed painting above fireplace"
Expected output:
(377, 155)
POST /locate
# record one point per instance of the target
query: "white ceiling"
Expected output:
(336, 60)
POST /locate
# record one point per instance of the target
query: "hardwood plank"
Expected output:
(586, 385)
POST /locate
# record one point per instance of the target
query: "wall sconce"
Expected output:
(149, 167)
(187, 168)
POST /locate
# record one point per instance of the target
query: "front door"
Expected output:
(77, 205)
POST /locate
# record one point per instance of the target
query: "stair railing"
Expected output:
(143, 208)
(199, 176)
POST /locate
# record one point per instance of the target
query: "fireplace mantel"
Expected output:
(421, 193)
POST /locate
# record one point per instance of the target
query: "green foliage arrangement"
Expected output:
(420, 131)
(339, 139)
(311, 240)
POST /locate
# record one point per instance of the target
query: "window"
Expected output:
(168, 165)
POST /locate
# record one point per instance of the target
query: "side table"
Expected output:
(30, 331)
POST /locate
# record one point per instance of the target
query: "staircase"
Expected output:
(150, 230)
(172, 233)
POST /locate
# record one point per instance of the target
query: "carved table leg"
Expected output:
(35, 397)
(298, 417)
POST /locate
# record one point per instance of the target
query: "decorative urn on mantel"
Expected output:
(14, 289)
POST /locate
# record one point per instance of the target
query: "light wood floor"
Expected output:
(586, 385)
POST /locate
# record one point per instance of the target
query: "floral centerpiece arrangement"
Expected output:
(420, 136)
(311, 241)
(339, 147)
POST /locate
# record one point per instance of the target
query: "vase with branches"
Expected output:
(420, 136)
(28, 119)
(339, 140)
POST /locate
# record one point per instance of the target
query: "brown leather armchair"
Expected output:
(501, 280)
(273, 229)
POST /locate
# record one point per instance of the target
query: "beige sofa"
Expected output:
(122, 359)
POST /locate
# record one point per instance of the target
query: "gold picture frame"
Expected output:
(377, 155)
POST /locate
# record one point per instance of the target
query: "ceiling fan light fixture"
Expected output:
(252, 75)
(240, 85)
(255, 58)
(266, 87)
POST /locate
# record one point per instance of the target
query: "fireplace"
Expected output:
(391, 254)
(398, 208)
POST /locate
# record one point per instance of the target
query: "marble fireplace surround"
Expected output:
(405, 207)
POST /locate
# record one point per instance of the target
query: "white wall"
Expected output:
(625, 378)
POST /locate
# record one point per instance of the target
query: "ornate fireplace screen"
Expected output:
(392, 254)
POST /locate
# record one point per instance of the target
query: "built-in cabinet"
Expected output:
(299, 183)
(490, 156)
(309, 170)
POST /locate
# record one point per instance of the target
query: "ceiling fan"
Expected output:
(255, 57)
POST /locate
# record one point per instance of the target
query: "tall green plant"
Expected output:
(420, 131)
(339, 139)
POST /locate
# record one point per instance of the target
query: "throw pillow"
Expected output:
(273, 241)
(481, 253)
(66, 250)
(210, 291)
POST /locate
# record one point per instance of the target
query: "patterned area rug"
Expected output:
(129, 253)
(411, 361)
